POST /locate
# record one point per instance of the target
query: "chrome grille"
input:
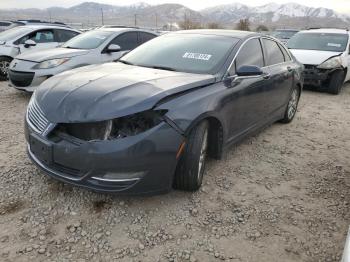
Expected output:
(36, 117)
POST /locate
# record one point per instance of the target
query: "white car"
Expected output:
(325, 54)
(27, 71)
(22, 39)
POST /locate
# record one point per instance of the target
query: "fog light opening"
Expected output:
(120, 177)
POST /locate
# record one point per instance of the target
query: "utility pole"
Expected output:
(135, 20)
(103, 23)
(50, 17)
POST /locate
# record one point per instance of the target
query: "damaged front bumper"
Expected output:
(140, 164)
(315, 76)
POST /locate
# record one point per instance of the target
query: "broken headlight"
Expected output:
(114, 129)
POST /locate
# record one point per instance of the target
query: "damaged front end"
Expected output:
(118, 128)
(131, 154)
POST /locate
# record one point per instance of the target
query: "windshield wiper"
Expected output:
(161, 67)
(124, 62)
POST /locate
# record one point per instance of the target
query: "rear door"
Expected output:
(145, 37)
(44, 39)
(281, 68)
(127, 41)
(246, 104)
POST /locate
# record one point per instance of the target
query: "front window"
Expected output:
(13, 33)
(192, 53)
(319, 41)
(89, 40)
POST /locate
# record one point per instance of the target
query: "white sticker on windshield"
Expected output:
(197, 56)
(334, 45)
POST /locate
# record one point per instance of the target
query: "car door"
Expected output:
(44, 39)
(127, 41)
(246, 99)
(281, 69)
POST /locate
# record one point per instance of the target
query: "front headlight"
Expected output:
(331, 63)
(51, 63)
(114, 129)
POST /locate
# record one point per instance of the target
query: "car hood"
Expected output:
(312, 57)
(107, 91)
(42, 55)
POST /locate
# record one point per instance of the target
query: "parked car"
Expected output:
(26, 38)
(29, 70)
(284, 34)
(147, 122)
(326, 56)
(5, 25)
(40, 22)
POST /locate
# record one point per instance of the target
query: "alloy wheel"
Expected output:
(293, 103)
(4, 66)
(202, 156)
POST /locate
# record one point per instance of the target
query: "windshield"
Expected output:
(319, 41)
(191, 53)
(283, 34)
(88, 40)
(13, 33)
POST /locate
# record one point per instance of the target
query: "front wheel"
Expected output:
(336, 82)
(190, 169)
(292, 106)
(4, 67)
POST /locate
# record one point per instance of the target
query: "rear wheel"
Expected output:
(292, 106)
(336, 82)
(4, 66)
(190, 169)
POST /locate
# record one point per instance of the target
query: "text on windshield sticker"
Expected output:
(197, 56)
(334, 45)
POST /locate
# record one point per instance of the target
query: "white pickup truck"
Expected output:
(325, 54)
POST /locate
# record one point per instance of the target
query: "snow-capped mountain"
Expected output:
(273, 15)
(270, 13)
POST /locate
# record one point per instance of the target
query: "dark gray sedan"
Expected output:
(147, 123)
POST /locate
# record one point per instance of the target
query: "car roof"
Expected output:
(326, 30)
(43, 26)
(220, 32)
(124, 29)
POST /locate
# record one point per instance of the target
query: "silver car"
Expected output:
(28, 71)
(23, 39)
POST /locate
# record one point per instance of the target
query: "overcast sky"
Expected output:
(342, 6)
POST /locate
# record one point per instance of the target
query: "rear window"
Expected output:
(274, 54)
(319, 41)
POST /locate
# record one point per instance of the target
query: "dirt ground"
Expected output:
(282, 195)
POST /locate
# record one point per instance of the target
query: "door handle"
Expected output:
(290, 69)
(266, 76)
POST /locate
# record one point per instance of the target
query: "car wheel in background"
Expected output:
(190, 169)
(4, 66)
(292, 105)
(336, 82)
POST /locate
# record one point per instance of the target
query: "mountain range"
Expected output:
(273, 15)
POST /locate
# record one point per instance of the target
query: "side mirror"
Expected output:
(29, 43)
(113, 48)
(249, 71)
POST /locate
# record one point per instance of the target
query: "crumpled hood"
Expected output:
(42, 55)
(107, 91)
(312, 57)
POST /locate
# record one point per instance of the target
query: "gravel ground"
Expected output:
(282, 195)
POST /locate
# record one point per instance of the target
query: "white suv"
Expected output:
(26, 38)
(325, 54)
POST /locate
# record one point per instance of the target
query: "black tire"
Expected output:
(4, 65)
(190, 169)
(336, 82)
(292, 106)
